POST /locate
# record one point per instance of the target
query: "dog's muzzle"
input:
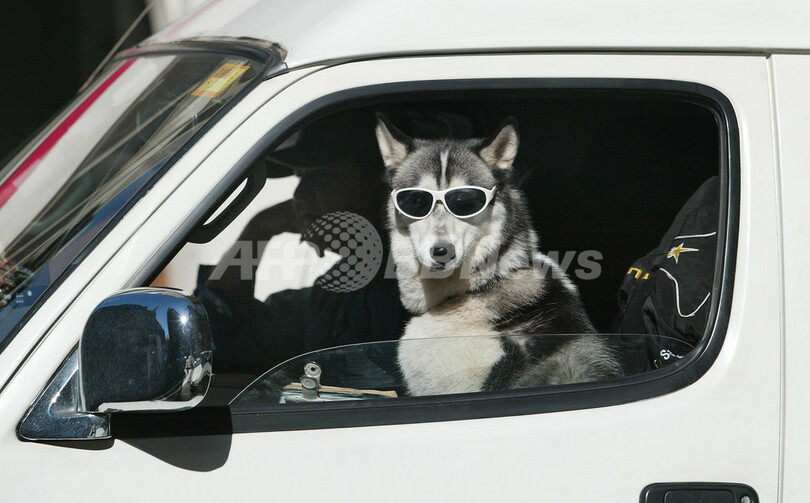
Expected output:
(443, 252)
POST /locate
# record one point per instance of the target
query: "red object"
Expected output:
(11, 185)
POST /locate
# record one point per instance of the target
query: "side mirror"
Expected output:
(144, 349)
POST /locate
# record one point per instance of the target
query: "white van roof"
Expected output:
(315, 31)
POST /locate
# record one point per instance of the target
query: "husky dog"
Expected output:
(467, 265)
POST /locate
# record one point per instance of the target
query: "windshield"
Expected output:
(64, 188)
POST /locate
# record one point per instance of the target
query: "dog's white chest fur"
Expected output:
(434, 361)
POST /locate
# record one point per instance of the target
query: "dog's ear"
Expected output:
(499, 151)
(394, 144)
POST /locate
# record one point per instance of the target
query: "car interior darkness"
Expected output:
(603, 170)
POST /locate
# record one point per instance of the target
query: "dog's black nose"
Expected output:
(443, 252)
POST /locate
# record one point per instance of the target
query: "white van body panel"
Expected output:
(724, 427)
(320, 30)
(790, 75)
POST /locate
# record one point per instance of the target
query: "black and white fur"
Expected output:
(496, 284)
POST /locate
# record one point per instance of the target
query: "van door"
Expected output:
(712, 418)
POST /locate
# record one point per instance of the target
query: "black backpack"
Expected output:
(667, 293)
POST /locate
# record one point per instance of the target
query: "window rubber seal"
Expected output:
(265, 53)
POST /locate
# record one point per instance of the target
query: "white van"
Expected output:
(127, 371)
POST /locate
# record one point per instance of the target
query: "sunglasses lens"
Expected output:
(415, 203)
(465, 202)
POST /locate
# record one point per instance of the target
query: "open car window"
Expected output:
(620, 199)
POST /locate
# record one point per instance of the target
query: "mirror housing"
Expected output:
(145, 349)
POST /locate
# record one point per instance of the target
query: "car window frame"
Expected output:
(477, 405)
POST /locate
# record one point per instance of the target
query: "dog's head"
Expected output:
(443, 240)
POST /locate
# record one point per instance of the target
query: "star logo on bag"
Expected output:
(676, 251)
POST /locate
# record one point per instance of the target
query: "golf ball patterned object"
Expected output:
(356, 241)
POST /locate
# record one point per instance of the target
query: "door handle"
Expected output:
(698, 492)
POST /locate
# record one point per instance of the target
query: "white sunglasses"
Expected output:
(461, 202)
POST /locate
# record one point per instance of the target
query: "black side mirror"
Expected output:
(145, 349)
